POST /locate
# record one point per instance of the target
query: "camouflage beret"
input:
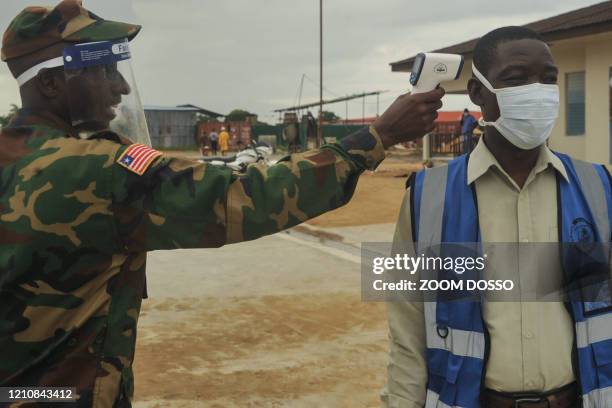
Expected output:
(36, 28)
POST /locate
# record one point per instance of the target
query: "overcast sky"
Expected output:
(251, 54)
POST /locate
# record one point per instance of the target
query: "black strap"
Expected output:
(410, 183)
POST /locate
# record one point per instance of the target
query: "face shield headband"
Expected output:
(32, 72)
(120, 50)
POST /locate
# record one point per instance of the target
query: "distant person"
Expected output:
(311, 126)
(468, 124)
(223, 141)
(214, 142)
(202, 142)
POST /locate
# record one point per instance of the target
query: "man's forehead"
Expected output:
(526, 47)
(522, 53)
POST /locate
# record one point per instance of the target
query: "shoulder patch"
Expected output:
(137, 158)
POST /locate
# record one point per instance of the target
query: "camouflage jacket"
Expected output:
(75, 226)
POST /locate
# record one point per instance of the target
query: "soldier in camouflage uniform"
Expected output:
(76, 223)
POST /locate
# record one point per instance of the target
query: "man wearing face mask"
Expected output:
(511, 188)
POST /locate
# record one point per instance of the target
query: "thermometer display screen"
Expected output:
(417, 67)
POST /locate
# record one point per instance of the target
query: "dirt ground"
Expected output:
(326, 350)
(377, 198)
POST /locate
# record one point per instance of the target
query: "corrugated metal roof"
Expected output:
(595, 14)
(202, 110)
(169, 108)
(585, 21)
(183, 108)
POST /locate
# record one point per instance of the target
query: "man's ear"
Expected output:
(49, 84)
(475, 91)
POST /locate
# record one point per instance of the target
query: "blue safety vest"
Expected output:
(444, 210)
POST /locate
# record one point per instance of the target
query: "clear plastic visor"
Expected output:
(102, 93)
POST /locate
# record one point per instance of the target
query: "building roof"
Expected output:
(357, 121)
(446, 116)
(589, 20)
(183, 108)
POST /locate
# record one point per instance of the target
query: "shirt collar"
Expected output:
(29, 117)
(481, 160)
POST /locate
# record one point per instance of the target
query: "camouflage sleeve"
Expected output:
(181, 203)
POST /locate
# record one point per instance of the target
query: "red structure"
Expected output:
(449, 122)
(358, 121)
(445, 139)
(240, 132)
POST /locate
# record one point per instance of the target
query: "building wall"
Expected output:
(592, 55)
(598, 63)
(171, 129)
(569, 56)
(240, 132)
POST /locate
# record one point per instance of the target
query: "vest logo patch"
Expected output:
(582, 234)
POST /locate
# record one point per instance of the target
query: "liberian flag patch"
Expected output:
(137, 158)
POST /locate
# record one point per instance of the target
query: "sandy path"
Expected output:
(325, 350)
(295, 334)
(377, 198)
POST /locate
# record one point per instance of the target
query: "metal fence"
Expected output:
(445, 144)
(331, 132)
(448, 144)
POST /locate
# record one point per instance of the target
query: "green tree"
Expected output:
(240, 115)
(329, 116)
(4, 120)
(204, 118)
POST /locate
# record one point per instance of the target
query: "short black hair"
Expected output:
(485, 50)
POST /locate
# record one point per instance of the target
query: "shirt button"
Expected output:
(528, 335)
(530, 384)
(525, 240)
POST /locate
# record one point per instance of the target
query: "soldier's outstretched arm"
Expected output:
(181, 203)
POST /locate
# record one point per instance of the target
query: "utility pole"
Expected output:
(301, 89)
(300, 96)
(346, 112)
(319, 122)
(363, 110)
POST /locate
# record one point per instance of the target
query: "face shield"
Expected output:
(101, 90)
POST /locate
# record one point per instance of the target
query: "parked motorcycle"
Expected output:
(256, 153)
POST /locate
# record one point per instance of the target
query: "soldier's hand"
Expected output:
(409, 117)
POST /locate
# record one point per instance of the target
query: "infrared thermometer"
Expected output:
(429, 69)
